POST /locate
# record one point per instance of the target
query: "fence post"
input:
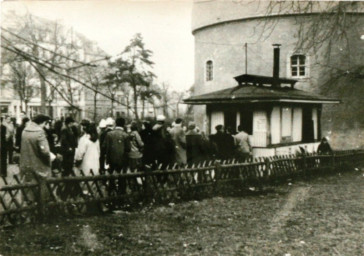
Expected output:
(304, 165)
(39, 197)
(333, 161)
(217, 173)
(267, 169)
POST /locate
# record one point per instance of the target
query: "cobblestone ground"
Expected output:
(323, 216)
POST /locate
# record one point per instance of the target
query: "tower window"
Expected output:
(209, 70)
(298, 65)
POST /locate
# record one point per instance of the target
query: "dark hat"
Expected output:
(69, 120)
(219, 127)
(120, 122)
(38, 119)
(178, 120)
(85, 122)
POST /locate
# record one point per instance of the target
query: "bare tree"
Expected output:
(331, 31)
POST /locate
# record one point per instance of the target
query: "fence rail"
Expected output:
(81, 195)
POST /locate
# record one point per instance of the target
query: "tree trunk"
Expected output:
(127, 107)
(112, 105)
(95, 106)
(43, 94)
(143, 108)
(165, 109)
(154, 110)
(135, 103)
(26, 108)
(50, 112)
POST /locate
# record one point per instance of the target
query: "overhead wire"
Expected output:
(51, 51)
(35, 59)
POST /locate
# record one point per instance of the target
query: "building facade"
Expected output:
(52, 43)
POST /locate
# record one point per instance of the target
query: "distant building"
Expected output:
(25, 97)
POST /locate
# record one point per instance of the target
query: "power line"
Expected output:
(55, 53)
(34, 59)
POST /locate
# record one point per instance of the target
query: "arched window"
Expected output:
(209, 70)
(298, 65)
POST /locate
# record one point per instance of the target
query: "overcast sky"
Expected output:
(164, 25)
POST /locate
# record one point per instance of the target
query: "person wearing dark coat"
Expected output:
(116, 146)
(164, 148)
(19, 132)
(69, 142)
(224, 143)
(3, 151)
(68, 146)
(57, 130)
(148, 154)
(103, 132)
(324, 147)
(196, 151)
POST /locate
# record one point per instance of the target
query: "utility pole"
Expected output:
(246, 58)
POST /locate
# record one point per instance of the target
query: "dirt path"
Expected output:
(321, 217)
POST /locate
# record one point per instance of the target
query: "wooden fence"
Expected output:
(81, 195)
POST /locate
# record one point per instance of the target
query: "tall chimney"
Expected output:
(276, 53)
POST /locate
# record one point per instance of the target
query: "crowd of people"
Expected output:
(113, 145)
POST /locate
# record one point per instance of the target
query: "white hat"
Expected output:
(109, 121)
(102, 123)
(161, 118)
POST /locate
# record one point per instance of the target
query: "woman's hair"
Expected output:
(92, 131)
(134, 126)
(25, 120)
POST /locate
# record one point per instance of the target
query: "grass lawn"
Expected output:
(324, 216)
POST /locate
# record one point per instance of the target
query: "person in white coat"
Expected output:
(88, 151)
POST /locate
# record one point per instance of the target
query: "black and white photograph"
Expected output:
(186, 127)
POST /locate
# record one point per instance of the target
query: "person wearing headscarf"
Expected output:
(243, 144)
(136, 148)
(88, 151)
(116, 146)
(194, 145)
(179, 139)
